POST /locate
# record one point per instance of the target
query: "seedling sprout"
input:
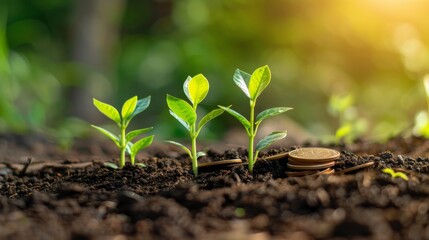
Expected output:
(130, 109)
(196, 89)
(252, 86)
(394, 174)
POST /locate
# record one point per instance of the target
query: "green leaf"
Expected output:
(200, 154)
(270, 139)
(259, 81)
(242, 79)
(140, 164)
(108, 110)
(389, 171)
(270, 113)
(182, 110)
(128, 148)
(196, 88)
(131, 135)
(110, 165)
(238, 116)
(210, 116)
(180, 120)
(343, 131)
(128, 108)
(401, 175)
(108, 134)
(142, 104)
(181, 146)
(140, 144)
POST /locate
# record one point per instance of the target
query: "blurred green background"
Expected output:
(348, 68)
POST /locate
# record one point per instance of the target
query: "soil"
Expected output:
(69, 194)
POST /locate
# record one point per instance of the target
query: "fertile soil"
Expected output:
(71, 195)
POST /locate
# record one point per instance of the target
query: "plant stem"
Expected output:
(252, 134)
(123, 147)
(194, 150)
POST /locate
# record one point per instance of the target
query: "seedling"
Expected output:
(421, 126)
(394, 174)
(130, 109)
(196, 89)
(252, 86)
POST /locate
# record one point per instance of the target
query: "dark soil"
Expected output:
(70, 195)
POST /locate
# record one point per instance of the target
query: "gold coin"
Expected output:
(312, 166)
(220, 163)
(314, 154)
(301, 173)
(277, 156)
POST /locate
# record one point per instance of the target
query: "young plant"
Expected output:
(394, 174)
(130, 109)
(252, 86)
(421, 126)
(196, 89)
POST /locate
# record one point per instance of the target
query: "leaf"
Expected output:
(128, 108)
(238, 116)
(270, 139)
(270, 113)
(180, 120)
(201, 154)
(182, 109)
(186, 88)
(197, 87)
(128, 148)
(210, 116)
(181, 146)
(343, 131)
(259, 81)
(108, 134)
(140, 164)
(140, 144)
(242, 79)
(389, 171)
(108, 110)
(131, 135)
(110, 165)
(142, 104)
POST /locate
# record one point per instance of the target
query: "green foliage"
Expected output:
(394, 174)
(195, 89)
(252, 86)
(421, 126)
(349, 125)
(129, 110)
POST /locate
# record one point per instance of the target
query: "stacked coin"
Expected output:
(312, 161)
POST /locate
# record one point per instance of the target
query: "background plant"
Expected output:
(350, 125)
(130, 109)
(421, 126)
(196, 89)
(394, 174)
(252, 86)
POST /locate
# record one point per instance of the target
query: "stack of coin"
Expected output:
(312, 161)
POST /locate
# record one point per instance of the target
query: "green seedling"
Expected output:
(252, 86)
(421, 126)
(394, 174)
(130, 109)
(196, 89)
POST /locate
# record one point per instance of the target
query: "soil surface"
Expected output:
(52, 193)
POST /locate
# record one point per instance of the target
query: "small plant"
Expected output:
(252, 86)
(394, 174)
(421, 126)
(196, 89)
(350, 126)
(130, 109)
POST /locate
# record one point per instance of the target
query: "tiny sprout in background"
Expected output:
(252, 86)
(130, 109)
(350, 126)
(240, 212)
(421, 126)
(196, 89)
(394, 174)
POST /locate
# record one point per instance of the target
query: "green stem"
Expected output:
(123, 147)
(252, 134)
(194, 155)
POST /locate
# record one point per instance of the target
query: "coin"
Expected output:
(220, 163)
(314, 154)
(301, 173)
(277, 156)
(312, 166)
